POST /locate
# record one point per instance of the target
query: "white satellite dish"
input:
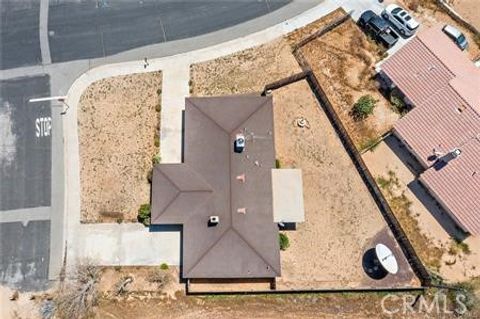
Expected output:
(386, 258)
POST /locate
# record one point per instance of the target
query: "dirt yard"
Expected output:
(247, 71)
(148, 306)
(143, 283)
(314, 306)
(343, 61)
(118, 125)
(342, 219)
(468, 9)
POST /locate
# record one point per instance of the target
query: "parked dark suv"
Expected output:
(377, 28)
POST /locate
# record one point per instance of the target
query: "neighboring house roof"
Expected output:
(442, 123)
(457, 186)
(444, 86)
(242, 245)
(430, 62)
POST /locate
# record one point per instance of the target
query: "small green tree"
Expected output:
(277, 163)
(398, 105)
(164, 266)
(156, 159)
(363, 107)
(284, 242)
(144, 214)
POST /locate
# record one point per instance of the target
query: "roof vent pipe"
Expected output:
(241, 178)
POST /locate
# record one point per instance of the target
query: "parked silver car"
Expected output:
(400, 19)
(456, 35)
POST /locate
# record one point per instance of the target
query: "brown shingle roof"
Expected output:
(241, 245)
(444, 86)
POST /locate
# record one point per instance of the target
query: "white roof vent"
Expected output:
(456, 152)
(450, 156)
(214, 220)
(239, 144)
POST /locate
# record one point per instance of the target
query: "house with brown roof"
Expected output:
(222, 195)
(442, 130)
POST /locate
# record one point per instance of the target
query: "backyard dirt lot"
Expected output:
(342, 219)
(118, 125)
(343, 61)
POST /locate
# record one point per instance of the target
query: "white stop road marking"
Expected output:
(43, 126)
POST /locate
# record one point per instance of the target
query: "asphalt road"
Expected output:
(25, 143)
(19, 33)
(24, 254)
(98, 28)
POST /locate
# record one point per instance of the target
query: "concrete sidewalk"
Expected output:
(175, 89)
(132, 244)
(128, 244)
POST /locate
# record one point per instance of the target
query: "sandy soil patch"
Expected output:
(23, 307)
(141, 284)
(314, 306)
(232, 285)
(343, 61)
(468, 9)
(427, 226)
(118, 123)
(246, 71)
(342, 219)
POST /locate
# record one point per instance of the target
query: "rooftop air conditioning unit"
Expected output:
(239, 143)
(214, 220)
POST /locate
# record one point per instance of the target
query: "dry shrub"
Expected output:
(121, 285)
(77, 299)
(159, 277)
(110, 214)
(413, 5)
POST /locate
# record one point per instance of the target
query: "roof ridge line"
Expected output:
(197, 191)
(436, 56)
(208, 250)
(462, 98)
(251, 114)
(167, 177)
(253, 248)
(210, 188)
(210, 118)
(169, 204)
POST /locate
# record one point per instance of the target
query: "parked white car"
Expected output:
(400, 19)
